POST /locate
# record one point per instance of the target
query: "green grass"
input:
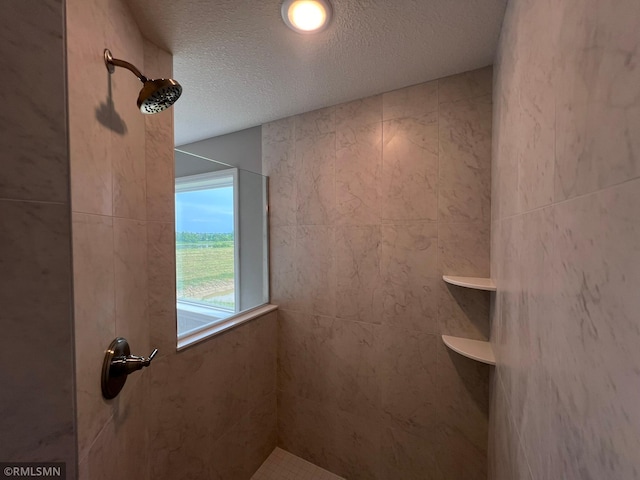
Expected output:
(202, 263)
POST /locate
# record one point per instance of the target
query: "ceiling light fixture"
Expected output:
(306, 16)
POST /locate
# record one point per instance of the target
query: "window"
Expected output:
(207, 253)
(222, 267)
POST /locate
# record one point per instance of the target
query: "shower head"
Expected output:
(156, 95)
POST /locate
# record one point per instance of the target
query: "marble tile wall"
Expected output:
(565, 235)
(37, 419)
(212, 407)
(370, 203)
(210, 411)
(109, 222)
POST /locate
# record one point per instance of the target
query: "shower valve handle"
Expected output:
(125, 365)
(118, 364)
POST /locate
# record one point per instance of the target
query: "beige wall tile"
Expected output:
(359, 112)
(332, 439)
(462, 406)
(409, 275)
(463, 312)
(159, 158)
(316, 123)
(91, 109)
(131, 283)
(473, 84)
(94, 316)
(124, 433)
(414, 101)
(283, 289)
(358, 274)
(260, 425)
(358, 168)
(279, 164)
(408, 380)
(560, 321)
(410, 169)
(128, 154)
(161, 275)
(262, 338)
(35, 163)
(330, 361)
(359, 279)
(464, 193)
(315, 269)
(37, 377)
(315, 177)
(463, 249)
(407, 456)
(597, 111)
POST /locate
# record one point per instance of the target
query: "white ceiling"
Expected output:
(240, 66)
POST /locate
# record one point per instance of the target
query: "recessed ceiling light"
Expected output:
(306, 16)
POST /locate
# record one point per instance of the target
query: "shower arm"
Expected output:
(111, 63)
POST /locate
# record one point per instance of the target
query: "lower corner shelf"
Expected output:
(471, 282)
(473, 349)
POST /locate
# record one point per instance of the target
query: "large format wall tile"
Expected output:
(358, 169)
(598, 112)
(330, 361)
(35, 163)
(279, 164)
(461, 405)
(565, 241)
(37, 377)
(465, 160)
(218, 417)
(315, 154)
(161, 285)
(130, 270)
(315, 268)
(408, 380)
(95, 309)
(37, 405)
(409, 276)
(358, 275)
(410, 169)
(159, 160)
(413, 101)
(91, 110)
(473, 84)
(374, 200)
(597, 330)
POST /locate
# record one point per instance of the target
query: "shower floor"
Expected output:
(282, 465)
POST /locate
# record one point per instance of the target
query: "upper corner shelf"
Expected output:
(473, 349)
(471, 282)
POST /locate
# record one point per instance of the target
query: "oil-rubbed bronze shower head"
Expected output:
(156, 95)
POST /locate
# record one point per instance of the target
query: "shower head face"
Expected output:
(158, 95)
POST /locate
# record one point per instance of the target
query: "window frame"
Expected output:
(199, 310)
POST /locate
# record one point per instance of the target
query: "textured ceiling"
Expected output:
(240, 66)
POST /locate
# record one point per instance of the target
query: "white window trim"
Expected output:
(194, 309)
(196, 336)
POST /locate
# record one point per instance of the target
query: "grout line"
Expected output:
(21, 200)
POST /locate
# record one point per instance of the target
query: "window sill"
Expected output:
(224, 325)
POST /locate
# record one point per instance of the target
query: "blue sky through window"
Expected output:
(205, 211)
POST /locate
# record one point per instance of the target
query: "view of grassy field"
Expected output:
(206, 271)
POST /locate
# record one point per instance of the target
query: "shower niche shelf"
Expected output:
(471, 282)
(477, 350)
(474, 349)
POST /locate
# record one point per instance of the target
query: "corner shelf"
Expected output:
(471, 282)
(473, 349)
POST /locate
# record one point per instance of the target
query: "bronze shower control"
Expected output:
(118, 363)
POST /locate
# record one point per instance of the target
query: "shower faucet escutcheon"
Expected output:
(118, 363)
(156, 95)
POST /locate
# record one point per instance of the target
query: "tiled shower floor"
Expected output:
(282, 465)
